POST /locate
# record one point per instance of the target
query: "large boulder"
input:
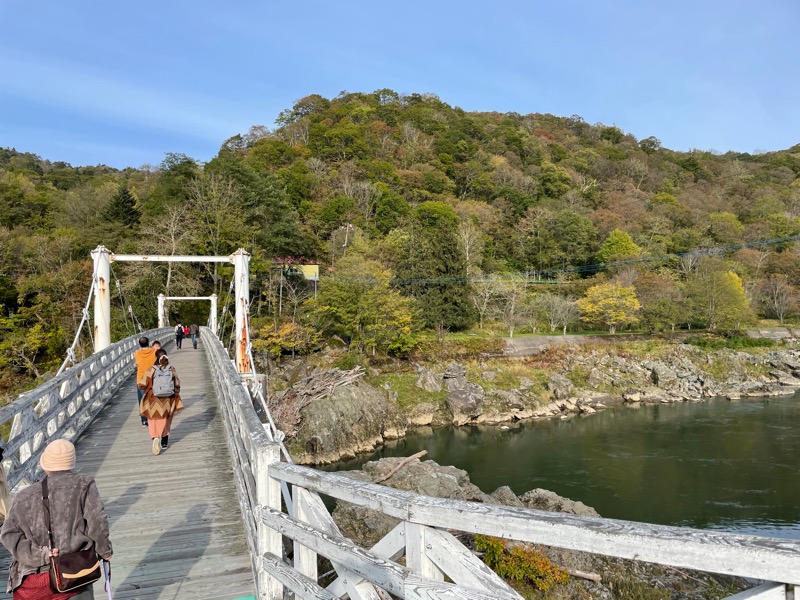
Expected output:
(428, 380)
(455, 376)
(354, 418)
(550, 501)
(367, 526)
(662, 375)
(466, 403)
(560, 386)
(428, 478)
(422, 414)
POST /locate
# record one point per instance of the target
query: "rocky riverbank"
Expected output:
(345, 419)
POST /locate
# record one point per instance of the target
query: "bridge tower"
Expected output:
(103, 258)
(102, 297)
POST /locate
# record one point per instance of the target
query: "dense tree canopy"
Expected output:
(442, 205)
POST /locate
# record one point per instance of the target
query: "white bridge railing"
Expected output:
(437, 565)
(64, 406)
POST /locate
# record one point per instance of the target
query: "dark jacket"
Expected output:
(77, 518)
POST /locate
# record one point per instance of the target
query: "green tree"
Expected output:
(619, 245)
(554, 181)
(358, 304)
(172, 183)
(568, 239)
(612, 134)
(433, 269)
(650, 144)
(611, 305)
(122, 208)
(717, 297)
(725, 227)
(267, 216)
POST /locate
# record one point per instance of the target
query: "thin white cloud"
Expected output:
(81, 89)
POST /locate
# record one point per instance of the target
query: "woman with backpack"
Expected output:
(161, 400)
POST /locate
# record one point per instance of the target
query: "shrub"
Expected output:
(349, 361)
(732, 342)
(522, 564)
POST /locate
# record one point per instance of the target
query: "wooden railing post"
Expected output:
(305, 559)
(416, 557)
(268, 493)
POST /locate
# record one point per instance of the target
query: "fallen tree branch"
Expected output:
(679, 572)
(583, 575)
(402, 464)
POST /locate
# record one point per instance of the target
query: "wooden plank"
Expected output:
(416, 557)
(304, 559)
(384, 573)
(765, 591)
(761, 558)
(268, 493)
(303, 587)
(347, 582)
(393, 544)
(463, 567)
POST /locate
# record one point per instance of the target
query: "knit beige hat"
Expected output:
(58, 456)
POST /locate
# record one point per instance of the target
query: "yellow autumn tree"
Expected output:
(609, 304)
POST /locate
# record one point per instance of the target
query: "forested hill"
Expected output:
(426, 198)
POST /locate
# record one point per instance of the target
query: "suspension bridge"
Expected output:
(223, 513)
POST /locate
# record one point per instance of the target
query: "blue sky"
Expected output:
(122, 84)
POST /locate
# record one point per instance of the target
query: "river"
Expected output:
(720, 464)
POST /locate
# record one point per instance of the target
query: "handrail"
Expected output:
(749, 556)
(436, 563)
(251, 451)
(64, 406)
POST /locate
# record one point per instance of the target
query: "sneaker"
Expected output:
(144, 421)
(156, 446)
(164, 442)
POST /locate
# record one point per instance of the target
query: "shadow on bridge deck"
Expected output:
(175, 522)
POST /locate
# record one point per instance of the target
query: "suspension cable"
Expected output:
(221, 326)
(134, 321)
(70, 358)
(121, 302)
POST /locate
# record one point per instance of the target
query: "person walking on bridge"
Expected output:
(161, 401)
(193, 330)
(77, 522)
(178, 335)
(145, 357)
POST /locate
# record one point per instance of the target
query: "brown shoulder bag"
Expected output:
(71, 570)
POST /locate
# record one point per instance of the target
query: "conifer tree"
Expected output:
(433, 269)
(122, 208)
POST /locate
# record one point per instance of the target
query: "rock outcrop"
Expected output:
(352, 419)
(428, 478)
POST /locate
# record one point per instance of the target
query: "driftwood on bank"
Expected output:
(286, 406)
(402, 464)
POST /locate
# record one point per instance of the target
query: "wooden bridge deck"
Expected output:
(175, 523)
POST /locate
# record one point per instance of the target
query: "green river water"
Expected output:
(719, 464)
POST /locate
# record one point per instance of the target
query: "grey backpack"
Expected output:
(163, 382)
